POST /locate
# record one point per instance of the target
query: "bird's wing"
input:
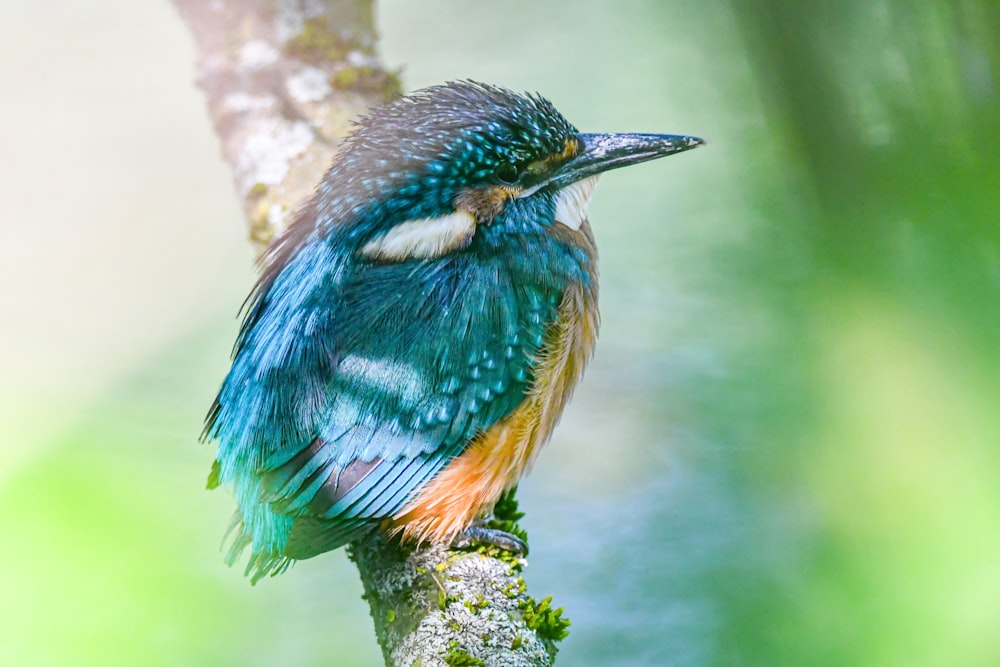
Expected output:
(339, 406)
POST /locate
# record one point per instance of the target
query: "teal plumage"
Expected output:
(358, 377)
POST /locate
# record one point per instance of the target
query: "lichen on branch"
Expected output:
(284, 79)
(436, 606)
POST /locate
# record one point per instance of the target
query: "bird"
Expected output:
(418, 328)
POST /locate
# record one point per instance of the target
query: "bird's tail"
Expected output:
(262, 563)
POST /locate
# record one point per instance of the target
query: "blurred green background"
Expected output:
(785, 453)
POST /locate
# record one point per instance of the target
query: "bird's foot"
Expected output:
(481, 535)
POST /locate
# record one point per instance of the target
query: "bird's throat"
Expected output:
(572, 202)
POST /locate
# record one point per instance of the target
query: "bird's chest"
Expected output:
(497, 455)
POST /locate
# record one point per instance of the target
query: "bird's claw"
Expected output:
(474, 535)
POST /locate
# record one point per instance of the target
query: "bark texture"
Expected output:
(434, 606)
(283, 79)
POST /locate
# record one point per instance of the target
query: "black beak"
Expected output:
(602, 152)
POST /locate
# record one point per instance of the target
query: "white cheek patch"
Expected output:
(572, 200)
(426, 238)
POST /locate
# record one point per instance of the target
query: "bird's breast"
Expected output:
(497, 457)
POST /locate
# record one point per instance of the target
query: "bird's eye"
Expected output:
(508, 173)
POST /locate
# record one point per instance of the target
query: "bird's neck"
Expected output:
(535, 249)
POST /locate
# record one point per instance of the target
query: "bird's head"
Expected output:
(466, 164)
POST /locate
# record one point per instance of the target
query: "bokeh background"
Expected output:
(785, 453)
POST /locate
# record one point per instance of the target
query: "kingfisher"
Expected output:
(417, 330)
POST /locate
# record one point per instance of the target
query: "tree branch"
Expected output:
(283, 79)
(435, 606)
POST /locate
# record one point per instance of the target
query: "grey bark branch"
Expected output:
(434, 607)
(283, 79)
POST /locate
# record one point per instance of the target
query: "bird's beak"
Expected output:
(602, 152)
